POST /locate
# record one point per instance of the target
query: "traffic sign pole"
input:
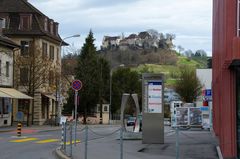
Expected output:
(75, 138)
(76, 85)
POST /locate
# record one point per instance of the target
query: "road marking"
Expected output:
(47, 141)
(24, 140)
(68, 143)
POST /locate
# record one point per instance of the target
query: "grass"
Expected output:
(170, 71)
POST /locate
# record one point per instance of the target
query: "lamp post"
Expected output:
(58, 89)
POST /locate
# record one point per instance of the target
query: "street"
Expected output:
(35, 144)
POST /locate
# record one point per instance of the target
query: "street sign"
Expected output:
(19, 116)
(63, 119)
(76, 85)
(208, 92)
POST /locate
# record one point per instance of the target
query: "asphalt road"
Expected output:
(39, 145)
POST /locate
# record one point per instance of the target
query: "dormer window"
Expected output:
(25, 22)
(51, 27)
(56, 29)
(46, 24)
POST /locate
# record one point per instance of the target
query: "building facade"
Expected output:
(226, 76)
(37, 64)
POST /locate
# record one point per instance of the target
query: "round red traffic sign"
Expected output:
(76, 85)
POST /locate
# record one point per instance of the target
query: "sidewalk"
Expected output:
(194, 144)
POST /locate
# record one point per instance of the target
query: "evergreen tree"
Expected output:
(93, 71)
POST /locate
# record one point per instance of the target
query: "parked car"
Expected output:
(131, 121)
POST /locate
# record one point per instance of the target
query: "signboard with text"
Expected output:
(155, 97)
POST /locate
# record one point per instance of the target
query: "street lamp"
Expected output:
(58, 90)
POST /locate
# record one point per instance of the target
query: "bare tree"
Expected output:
(33, 70)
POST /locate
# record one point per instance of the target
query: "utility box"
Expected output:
(153, 109)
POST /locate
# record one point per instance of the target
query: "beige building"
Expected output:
(37, 64)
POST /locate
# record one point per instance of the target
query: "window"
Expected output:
(51, 78)
(56, 29)
(25, 22)
(58, 54)
(23, 105)
(5, 105)
(52, 52)
(0, 67)
(25, 47)
(7, 68)
(44, 49)
(105, 108)
(51, 27)
(2, 23)
(24, 73)
(46, 24)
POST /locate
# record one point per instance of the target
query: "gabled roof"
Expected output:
(23, 6)
(16, 6)
(144, 34)
(109, 38)
(132, 36)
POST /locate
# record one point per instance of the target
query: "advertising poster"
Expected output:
(155, 97)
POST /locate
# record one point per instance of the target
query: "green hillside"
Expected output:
(171, 71)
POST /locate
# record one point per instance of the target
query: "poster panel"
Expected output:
(155, 97)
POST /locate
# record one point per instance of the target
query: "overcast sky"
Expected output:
(189, 20)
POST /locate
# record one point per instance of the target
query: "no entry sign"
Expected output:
(76, 85)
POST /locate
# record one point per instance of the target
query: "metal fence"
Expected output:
(177, 140)
(69, 138)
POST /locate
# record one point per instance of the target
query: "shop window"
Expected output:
(5, 105)
(23, 105)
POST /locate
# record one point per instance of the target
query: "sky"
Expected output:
(189, 20)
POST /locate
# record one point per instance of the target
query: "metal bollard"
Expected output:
(121, 143)
(177, 143)
(62, 135)
(19, 129)
(86, 141)
(65, 137)
(71, 126)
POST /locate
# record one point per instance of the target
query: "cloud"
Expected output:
(186, 18)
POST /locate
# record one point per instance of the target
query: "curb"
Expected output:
(219, 152)
(60, 155)
(4, 131)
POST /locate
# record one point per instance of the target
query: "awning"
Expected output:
(4, 95)
(13, 93)
(50, 96)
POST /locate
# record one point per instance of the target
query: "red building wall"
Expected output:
(225, 50)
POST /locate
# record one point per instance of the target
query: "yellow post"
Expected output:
(19, 129)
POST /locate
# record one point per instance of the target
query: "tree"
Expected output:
(94, 74)
(32, 71)
(180, 49)
(124, 81)
(201, 53)
(188, 85)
